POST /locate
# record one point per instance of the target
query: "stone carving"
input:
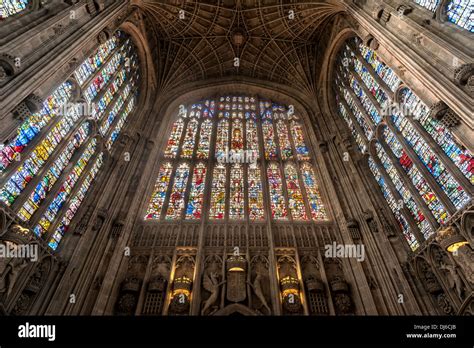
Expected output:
(10, 270)
(236, 274)
(463, 73)
(260, 284)
(211, 283)
(258, 291)
(128, 297)
(403, 10)
(455, 281)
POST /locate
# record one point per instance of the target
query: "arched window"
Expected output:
(425, 174)
(52, 161)
(459, 12)
(249, 147)
(11, 7)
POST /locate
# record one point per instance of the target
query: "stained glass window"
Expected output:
(196, 196)
(60, 168)
(237, 187)
(284, 139)
(222, 140)
(75, 204)
(176, 201)
(236, 209)
(318, 212)
(204, 140)
(407, 197)
(269, 140)
(11, 7)
(392, 203)
(95, 61)
(461, 157)
(295, 197)
(33, 124)
(159, 192)
(300, 144)
(443, 177)
(255, 192)
(219, 179)
(354, 91)
(237, 142)
(65, 190)
(277, 200)
(428, 4)
(188, 144)
(53, 173)
(461, 12)
(425, 191)
(173, 142)
(252, 135)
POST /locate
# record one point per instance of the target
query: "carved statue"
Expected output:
(10, 270)
(257, 289)
(211, 284)
(455, 281)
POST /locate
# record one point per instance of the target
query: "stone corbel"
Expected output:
(371, 42)
(27, 107)
(441, 112)
(9, 67)
(104, 35)
(403, 10)
(464, 77)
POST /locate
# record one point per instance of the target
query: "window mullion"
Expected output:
(356, 123)
(48, 235)
(358, 103)
(30, 187)
(447, 162)
(404, 210)
(422, 168)
(52, 194)
(409, 185)
(372, 72)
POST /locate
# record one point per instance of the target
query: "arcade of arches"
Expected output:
(237, 157)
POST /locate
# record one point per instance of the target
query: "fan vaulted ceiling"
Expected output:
(273, 40)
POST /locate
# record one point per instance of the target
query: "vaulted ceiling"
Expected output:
(274, 40)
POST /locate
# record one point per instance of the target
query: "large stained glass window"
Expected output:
(54, 156)
(412, 137)
(246, 155)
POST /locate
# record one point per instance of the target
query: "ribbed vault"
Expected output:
(274, 40)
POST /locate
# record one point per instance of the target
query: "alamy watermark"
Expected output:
(334, 250)
(82, 109)
(22, 251)
(238, 156)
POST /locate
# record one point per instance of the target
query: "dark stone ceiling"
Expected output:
(274, 40)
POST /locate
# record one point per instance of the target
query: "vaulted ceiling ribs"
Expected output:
(274, 40)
